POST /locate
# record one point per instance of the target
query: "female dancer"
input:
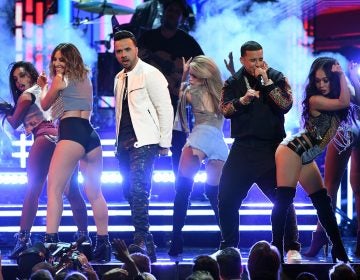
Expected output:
(27, 111)
(203, 93)
(335, 165)
(325, 107)
(70, 96)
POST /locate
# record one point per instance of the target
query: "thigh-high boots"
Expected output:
(283, 199)
(212, 193)
(326, 215)
(183, 188)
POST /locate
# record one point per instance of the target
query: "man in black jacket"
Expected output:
(255, 98)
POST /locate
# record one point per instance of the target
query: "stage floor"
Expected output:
(179, 268)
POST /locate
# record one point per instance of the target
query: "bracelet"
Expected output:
(243, 102)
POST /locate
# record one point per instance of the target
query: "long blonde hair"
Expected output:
(205, 68)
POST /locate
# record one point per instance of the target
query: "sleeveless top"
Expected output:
(320, 131)
(78, 95)
(35, 115)
(202, 108)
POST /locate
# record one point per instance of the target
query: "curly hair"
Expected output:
(325, 64)
(75, 69)
(29, 69)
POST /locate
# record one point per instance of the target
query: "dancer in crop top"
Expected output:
(28, 112)
(70, 99)
(205, 142)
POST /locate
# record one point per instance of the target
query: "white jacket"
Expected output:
(149, 103)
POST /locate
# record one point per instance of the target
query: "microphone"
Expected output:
(260, 79)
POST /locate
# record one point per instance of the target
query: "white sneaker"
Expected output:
(214, 255)
(293, 256)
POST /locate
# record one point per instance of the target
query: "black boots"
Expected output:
(102, 250)
(176, 246)
(22, 243)
(83, 235)
(326, 215)
(319, 240)
(212, 193)
(183, 187)
(84, 243)
(144, 243)
(357, 248)
(283, 199)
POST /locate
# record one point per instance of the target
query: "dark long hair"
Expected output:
(324, 63)
(29, 68)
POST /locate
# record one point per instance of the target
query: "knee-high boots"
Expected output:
(283, 199)
(326, 215)
(212, 193)
(144, 243)
(183, 188)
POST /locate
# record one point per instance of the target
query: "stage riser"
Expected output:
(200, 229)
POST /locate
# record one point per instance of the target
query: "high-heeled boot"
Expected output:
(102, 249)
(283, 199)
(357, 249)
(212, 193)
(326, 215)
(183, 188)
(150, 247)
(23, 242)
(319, 240)
(84, 243)
(144, 243)
(84, 236)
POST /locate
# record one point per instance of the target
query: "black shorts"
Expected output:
(80, 131)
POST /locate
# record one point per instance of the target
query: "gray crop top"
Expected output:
(202, 108)
(78, 95)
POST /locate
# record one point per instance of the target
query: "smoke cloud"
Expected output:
(223, 26)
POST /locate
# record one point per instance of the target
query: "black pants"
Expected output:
(249, 163)
(136, 165)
